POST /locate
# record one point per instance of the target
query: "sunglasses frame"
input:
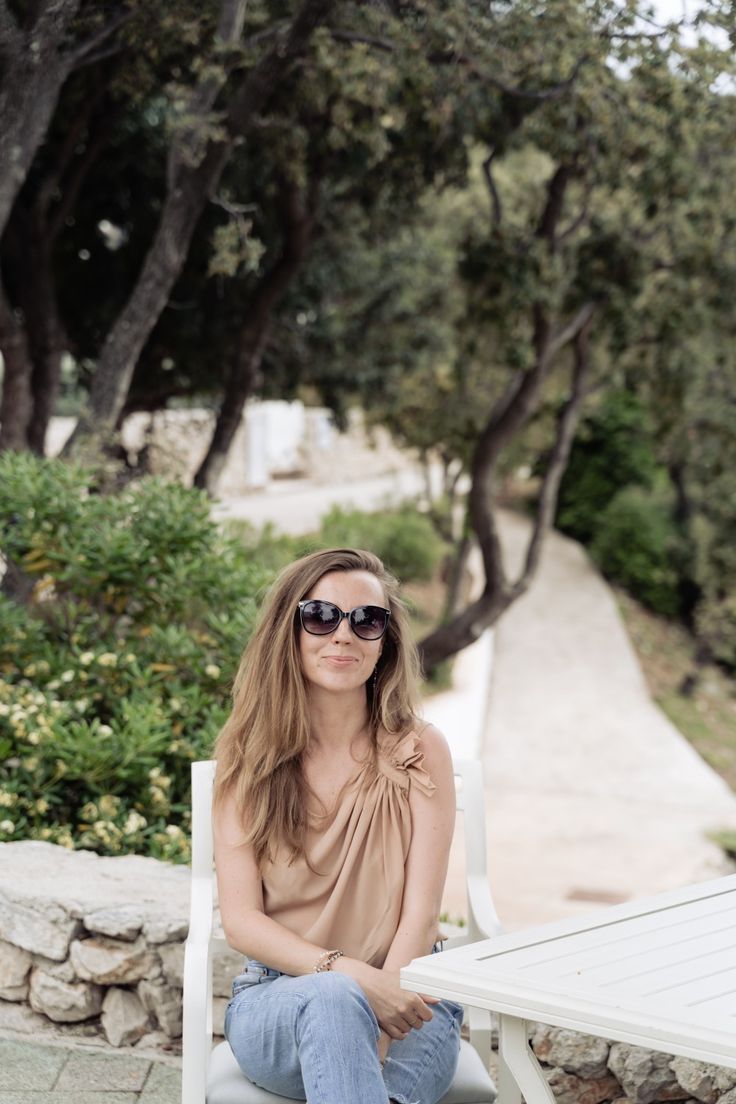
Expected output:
(343, 616)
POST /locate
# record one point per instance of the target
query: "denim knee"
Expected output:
(339, 986)
(342, 994)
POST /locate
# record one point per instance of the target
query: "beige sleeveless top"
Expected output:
(351, 898)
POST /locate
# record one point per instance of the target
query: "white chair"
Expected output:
(213, 1076)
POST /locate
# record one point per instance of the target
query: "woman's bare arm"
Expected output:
(433, 822)
(240, 893)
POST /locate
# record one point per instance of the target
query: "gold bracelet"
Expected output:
(325, 960)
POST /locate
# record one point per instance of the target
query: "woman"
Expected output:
(333, 817)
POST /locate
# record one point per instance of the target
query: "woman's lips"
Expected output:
(341, 661)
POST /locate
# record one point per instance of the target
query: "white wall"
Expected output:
(276, 439)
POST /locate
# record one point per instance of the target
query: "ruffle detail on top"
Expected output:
(403, 762)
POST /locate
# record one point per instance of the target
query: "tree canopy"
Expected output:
(476, 220)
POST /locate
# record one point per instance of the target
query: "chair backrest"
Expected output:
(482, 920)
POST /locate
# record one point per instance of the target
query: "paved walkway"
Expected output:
(592, 795)
(35, 1074)
(296, 505)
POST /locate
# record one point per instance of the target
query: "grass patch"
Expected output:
(699, 700)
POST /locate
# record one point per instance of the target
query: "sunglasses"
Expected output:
(322, 618)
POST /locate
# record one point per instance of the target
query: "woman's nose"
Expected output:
(343, 632)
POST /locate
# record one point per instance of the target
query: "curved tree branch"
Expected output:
(557, 463)
(85, 52)
(491, 185)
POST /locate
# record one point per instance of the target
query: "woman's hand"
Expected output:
(396, 1009)
(384, 1042)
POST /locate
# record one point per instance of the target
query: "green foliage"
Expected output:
(637, 545)
(405, 540)
(121, 627)
(612, 450)
(725, 838)
(705, 448)
(115, 671)
(715, 620)
(426, 169)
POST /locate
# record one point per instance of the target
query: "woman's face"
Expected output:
(342, 662)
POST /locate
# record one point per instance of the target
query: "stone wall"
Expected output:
(92, 947)
(581, 1069)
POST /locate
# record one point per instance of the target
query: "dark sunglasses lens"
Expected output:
(369, 622)
(320, 618)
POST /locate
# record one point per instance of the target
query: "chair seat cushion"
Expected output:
(226, 1084)
(472, 1083)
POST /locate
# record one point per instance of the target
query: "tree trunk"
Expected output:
(34, 68)
(111, 381)
(239, 388)
(510, 414)
(30, 250)
(458, 570)
(46, 353)
(498, 594)
(16, 404)
(462, 630)
(298, 226)
(35, 61)
(189, 188)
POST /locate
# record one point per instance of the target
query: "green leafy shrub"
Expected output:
(715, 621)
(122, 620)
(271, 549)
(121, 626)
(405, 540)
(638, 546)
(713, 531)
(612, 450)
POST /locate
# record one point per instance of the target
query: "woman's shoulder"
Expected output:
(420, 737)
(408, 757)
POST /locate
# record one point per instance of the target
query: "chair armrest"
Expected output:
(483, 921)
(197, 996)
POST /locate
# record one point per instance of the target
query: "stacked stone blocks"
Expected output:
(583, 1069)
(77, 954)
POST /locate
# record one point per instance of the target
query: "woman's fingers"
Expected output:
(411, 1015)
(398, 1011)
(423, 1010)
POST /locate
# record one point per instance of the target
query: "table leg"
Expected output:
(519, 1071)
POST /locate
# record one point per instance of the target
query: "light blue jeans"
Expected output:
(314, 1038)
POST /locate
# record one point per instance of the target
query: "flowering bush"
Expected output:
(122, 620)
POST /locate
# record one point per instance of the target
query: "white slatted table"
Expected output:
(658, 973)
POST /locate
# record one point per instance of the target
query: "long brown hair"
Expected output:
(259, 749)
